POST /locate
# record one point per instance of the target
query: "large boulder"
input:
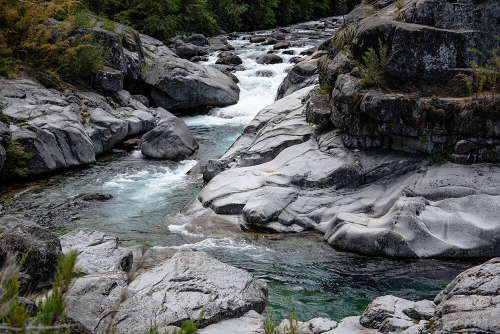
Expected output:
(97, 252)
(40, 246)
(180, 288)
(302, 75)
(105, 130)
(3, 157)
(471, 302)
(47, 124)
(180, 84)
(171, 139)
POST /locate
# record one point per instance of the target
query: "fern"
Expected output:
(375, 65)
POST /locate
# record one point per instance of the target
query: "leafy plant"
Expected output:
(487, 75)
(440, 156)
(81, 19)
(399, 4)
(84, 58)
(375, 65)
(399, 16)
(13, 314)
(269, 326)
(293, 325)
(345, 35)
(109, 25)
(3, 118)
(16, 161)
(6, 66)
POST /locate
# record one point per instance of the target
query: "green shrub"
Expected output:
(109, 25)
(84, 58)
(345, 35)
(440, 156)
(16, 161)
(399, 16)
(81, 19)
(269, 326)
(14, 316)
(487, 75)
(375, 65)
(399, 4)
(6, 66)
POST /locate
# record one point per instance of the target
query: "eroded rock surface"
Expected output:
(180, 84)
(175, 290)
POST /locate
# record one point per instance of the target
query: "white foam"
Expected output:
(229, 244)
(181, 229)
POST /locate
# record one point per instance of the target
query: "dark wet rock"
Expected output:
(179, 84)
(265, 73)
(187, 50)
(20, 237)
(296, 60)
(171, 139)
(134, 64)
(5, 133)
(93, 197)
(196, 39)
(281, 45)
(308, 52)
(228, 58)
(270, 59)
(97, 252)
(175, 290)
(105, 130)
(131, 144)
(270, 41)
(289, 52)
(219, 43)
(3, 156)
(318, 109)
(257, 39)
(142, 99)
(31, 308)
(108, 79)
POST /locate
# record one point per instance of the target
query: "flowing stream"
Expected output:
(305, 275)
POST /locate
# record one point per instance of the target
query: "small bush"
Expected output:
(84, 58)
(109, 25)
(399, 16)
(344, 36)
(441, 156)
(16, 161)
(375, 65)
(399, 4)
(6, 66)
(81, 19)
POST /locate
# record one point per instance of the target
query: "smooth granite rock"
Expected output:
(471, 302)
(97, 252)
(250, 323)
(171, 140)
(175, 290)
(105, 130)
(180, 84)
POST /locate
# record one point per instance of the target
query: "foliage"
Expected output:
(6, 66)
(485, 76)
(84, 57)
(13, 314)
(399, 4)
(293, 325)
(15, 163)
(440, 156)
(345, 35)
(109, 25)
(375, 65)
(3, 118)
(269, 326)
(399, 16)
(42, 49)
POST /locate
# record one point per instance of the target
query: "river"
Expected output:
(304, 274)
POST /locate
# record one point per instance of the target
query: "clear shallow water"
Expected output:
(304, 275)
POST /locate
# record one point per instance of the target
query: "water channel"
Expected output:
(305, 275)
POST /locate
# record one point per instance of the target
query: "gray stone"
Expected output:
(108, 79)
(175, 290)
(250, 323)
(97, 252)
(179, 84)
(281, 45)
(171, 139)
(140, 122)
(304, 74)
(470, 302)
(19, 236)
(257, 39)
(105, 130)
(4, 133)
(318, 109)
(228, 58)
(3, 157)
(270, 59)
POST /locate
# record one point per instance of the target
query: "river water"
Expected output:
(305, 275)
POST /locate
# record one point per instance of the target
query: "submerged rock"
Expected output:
(171, 140)
(180, 84)
(177, 289)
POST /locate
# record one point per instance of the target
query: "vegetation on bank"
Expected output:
(163, 19)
